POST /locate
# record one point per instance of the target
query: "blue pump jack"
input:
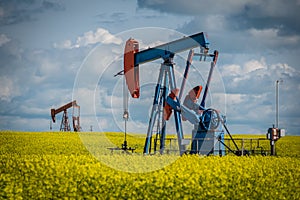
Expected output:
(206, 125)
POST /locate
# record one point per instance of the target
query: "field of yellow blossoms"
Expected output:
(58, 165)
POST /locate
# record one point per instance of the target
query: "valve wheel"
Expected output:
(210, 119)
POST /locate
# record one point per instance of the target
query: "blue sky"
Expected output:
(52, 51)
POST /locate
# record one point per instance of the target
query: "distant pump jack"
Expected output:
(65, 125)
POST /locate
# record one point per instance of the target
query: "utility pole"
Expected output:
(277, 101)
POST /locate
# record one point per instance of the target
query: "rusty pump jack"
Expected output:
(166, 80)
(65, 125)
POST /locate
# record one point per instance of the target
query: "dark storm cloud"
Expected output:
(17, 11)
(262, 14)
(281, 15)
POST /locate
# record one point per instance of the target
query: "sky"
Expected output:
(53, 52)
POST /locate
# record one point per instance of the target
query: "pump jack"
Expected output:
(166, 82)
(65, 125)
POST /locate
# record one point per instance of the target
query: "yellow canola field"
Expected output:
(41, 165)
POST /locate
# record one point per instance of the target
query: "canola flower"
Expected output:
(57, 166)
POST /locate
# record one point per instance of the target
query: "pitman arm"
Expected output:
(189, 115)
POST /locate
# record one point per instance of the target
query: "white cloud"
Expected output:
(234, 98)
(251, 95)
(32, 110)
(254, 65)
(271, 37)
(89, 38)
(48, 67)
(8, 89)
(243, 71)
(3, 38)
(280, 68)
(100, 36)
(231, 69)
(264, 33)
(67, 44)
(256, 76)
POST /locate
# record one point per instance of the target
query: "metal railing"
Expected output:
(246, 146)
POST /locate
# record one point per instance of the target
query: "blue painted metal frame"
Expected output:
(165, 50)
(166, 73)
(164, 123)
(154, 112)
